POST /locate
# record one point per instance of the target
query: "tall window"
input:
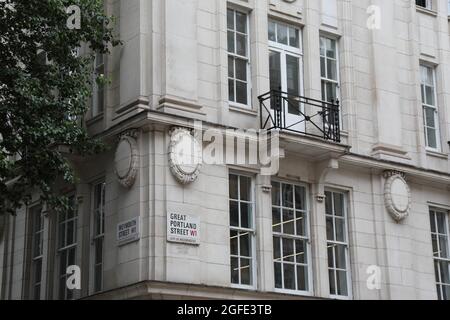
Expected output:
(67, 246)
(441, 252)
(424, 3)
(329, 71)
(37, 251)
(430, 110)
(98, 235)
(238, 58)
(337, 244)
(290, 237)
(98, 97)
(242, 230)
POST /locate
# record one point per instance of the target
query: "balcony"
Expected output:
(301, 115)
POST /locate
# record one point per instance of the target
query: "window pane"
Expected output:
(289, 276)
(282, 34)
(245, 186)
(272, 30)
(330, 230)
(288, 250)
(301, 224)
(277, 248)
(230, 19)
(330, 251)
(275, 70)
(276, 220)
(323, 68)
(332, 69)
(231, 96)
(331, 275)
(231, 47)
(246, 213)
(235, 270)
(443, 245)
(230, 67)
(288, 222)
(234, 214)
(429, 96)
(288, 196)
(432, 141)
(445, 275)
(241, 45)
(338, 204)
(441, 221)
(300, 249)
(99, 251)
(245, 244)
(241, 92)
(340, 252)
(342, 283)
(278, 276)
(328, 203)
(340, 230)
(293, 75)
(241, 22)
(275, 193)
(435, 245)
(234, 249)
(432, 222)
(331, 48)
(241, 69)
(294, 37)
(302, 278)
(246, 272)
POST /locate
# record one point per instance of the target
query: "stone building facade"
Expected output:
(357, 93)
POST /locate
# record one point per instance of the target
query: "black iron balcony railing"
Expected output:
(286, 112)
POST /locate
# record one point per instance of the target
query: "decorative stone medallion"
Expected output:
(397, 195)
(185, 155)
(127, 159)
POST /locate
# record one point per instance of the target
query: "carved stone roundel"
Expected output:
(397, 196)
(185, 155)
(126, 161)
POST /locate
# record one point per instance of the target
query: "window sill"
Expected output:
(437, 154)
(243, 109)
(429, 12)
(94, 120)
(294, 292)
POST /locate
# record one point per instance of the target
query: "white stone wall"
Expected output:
(173, 63)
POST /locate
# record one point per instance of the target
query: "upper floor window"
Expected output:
(67, 247)
(98, 235)
(98, 95)
(427, 4)
(238, 58)
(430, 109)
(37, 252)
(337, 244)
(329, 69)
(290, 225)
(441, 251)
(242, 231)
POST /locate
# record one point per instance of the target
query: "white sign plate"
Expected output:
(183, 228)
(128, 231)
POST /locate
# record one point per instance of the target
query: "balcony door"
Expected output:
(286, 70)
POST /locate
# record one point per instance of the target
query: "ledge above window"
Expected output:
(429, 12)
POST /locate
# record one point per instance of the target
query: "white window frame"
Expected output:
(96, 237)
(60, 274)
(428, 5)
(306, 238)
(349, 295)
(35, 258)
(97, 91)
(434, 107)
(338, 73)
(252, 231)
(235, 56)
(435, 211)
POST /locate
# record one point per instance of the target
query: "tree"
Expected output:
(44, 90)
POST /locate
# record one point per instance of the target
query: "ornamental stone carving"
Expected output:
(185, 155)
(126, 159)
(397, 195)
